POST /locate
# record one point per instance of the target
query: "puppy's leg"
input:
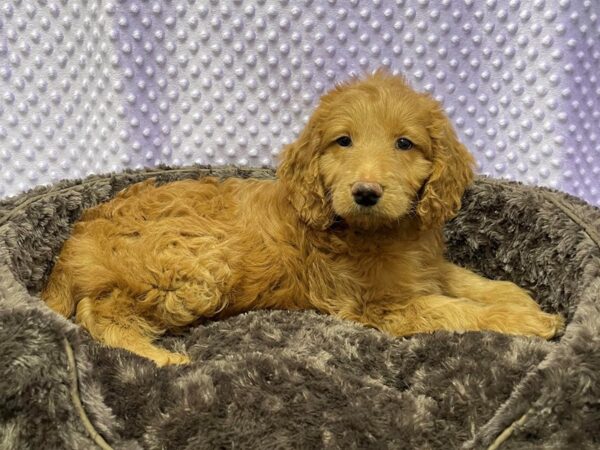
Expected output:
(182, 294)
(112, 321)
(57, 293)
(461, 282)
(438, 312)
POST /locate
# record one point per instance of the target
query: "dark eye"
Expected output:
(403, 144)
(344, 141)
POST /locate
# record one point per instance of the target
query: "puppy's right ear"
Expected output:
(298, 171)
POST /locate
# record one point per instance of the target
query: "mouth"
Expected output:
(354, 210)
(389, 211)
(364, 217)
(362, 210)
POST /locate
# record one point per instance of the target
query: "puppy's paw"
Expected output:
(171, 358)
(551, 325)
(541, 324)
(524, 321)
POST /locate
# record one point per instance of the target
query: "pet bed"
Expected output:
(281, 379)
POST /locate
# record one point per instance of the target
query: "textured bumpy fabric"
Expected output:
(99, 85)
(282, 379)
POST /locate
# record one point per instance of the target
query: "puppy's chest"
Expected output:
(376, 276)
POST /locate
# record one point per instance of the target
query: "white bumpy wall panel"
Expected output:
(91, 86)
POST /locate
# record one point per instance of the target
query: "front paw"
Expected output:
(540, 324)
(167, 358)
(524, 321)
(551, 325)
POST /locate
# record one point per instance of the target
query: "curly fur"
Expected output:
(158, 258)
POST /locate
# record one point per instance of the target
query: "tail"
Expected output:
(58, 293)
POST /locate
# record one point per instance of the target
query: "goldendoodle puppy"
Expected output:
(352, 226)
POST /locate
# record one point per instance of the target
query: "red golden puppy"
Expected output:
(352, 226)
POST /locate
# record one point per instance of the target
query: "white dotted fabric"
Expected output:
(94, 86)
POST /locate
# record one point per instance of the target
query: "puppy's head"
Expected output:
(373, 153)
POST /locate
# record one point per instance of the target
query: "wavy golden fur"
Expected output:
(352, 226)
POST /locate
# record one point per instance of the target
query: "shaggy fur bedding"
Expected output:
(280, 379)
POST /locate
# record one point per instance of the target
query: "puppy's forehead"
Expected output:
(390, 104)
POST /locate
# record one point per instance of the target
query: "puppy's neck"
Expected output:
(341, 237)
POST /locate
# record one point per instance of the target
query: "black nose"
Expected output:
(366, 194)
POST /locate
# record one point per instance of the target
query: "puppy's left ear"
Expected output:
(452, 172)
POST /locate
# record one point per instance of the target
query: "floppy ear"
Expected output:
(452, 173)
(299, 174)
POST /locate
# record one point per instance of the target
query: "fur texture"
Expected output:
(296, 379)
(158, 258)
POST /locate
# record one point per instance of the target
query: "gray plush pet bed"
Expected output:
(279, 379)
